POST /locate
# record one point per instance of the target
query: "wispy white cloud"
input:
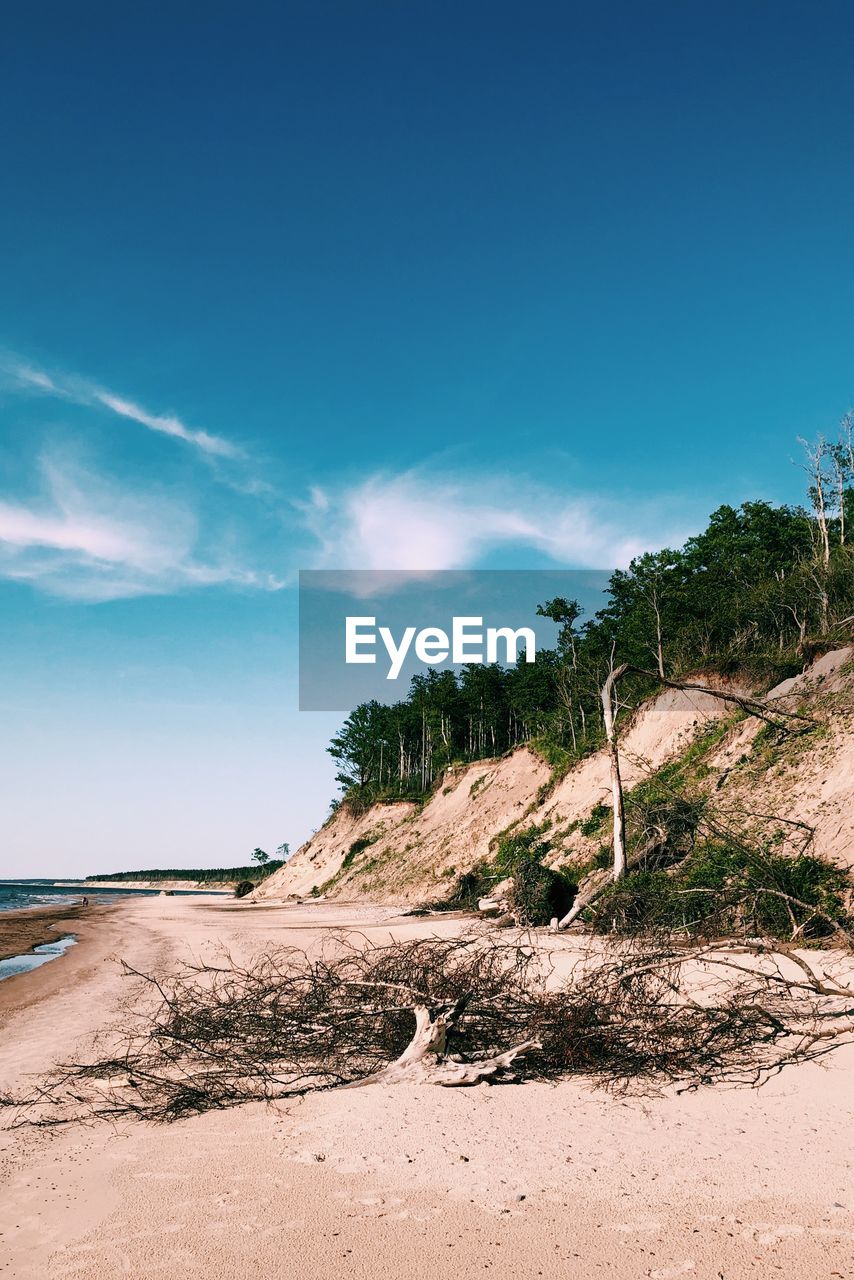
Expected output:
(419, 521)
(86, 539)
(167, 424)
(18, 375)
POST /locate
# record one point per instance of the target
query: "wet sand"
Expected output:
(514, 1182)
(22, 930)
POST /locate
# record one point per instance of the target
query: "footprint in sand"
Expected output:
(768, 1233)
(644, 1226)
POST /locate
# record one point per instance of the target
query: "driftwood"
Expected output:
(634, 1017)
(424, 1060)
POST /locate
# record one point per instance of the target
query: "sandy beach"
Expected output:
(518, 1180)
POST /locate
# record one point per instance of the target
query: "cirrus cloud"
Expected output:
(420, 521)
(84, 538)
(19, 375)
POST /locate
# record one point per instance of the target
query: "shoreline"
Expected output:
(153, 886)
(25, 928)
(96, 929)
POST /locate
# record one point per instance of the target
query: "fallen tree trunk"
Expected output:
(606, 878)
(210, 1036)
(759, 707)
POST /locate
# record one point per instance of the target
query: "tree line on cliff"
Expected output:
(763, 587)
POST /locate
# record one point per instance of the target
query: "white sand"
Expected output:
(412, 1181)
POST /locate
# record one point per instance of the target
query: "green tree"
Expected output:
(357, 749)
(754, 586)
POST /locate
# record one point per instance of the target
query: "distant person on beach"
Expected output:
(84, 902)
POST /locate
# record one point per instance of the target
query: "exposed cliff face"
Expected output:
(323, 856)
(415, 852)
(806, 779)
(407, 853)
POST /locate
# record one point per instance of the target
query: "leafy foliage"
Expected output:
(537, 892)
(357, 847)
(725, 891)
(468, 889)
(762, 586)
(516, 848)
(595, 822)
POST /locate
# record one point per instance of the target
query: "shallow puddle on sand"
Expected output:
(38, 956)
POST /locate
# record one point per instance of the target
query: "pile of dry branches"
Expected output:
(216, 1035)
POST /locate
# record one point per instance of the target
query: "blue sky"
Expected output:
(371, 285)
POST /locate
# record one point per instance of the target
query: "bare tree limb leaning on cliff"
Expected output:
(608, 713)
(761, 708)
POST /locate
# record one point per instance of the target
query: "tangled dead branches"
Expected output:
(216, 1035)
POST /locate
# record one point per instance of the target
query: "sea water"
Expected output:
(16, 894)
(38, 956)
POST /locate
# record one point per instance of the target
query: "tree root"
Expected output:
(423, 1061)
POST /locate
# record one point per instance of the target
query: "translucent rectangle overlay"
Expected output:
(399, 619)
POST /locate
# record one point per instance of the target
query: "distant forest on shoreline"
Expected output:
(202, 875)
